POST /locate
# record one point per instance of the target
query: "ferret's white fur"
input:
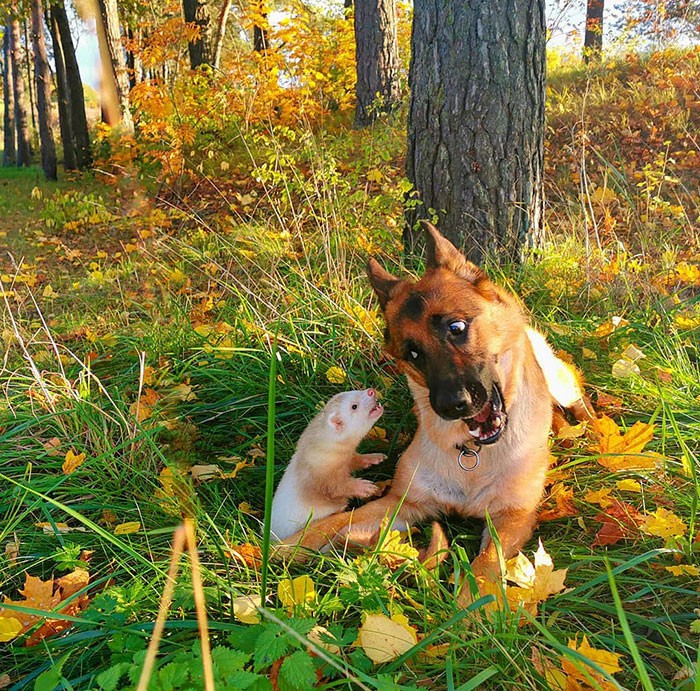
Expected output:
(318, 480)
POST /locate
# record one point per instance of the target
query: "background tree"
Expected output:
(221, 23)
(24, 148)
(9, 154)
(661, 21)
(200, 49)
(42, 74)
(593, 37)
(64, 51)
(115, 77)
(261, 37)
(377, 59)
(476, 123)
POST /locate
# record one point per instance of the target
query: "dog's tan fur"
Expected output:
(428, 482)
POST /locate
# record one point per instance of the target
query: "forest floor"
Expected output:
(137, 324)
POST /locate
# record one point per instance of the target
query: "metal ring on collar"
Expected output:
(468, 452)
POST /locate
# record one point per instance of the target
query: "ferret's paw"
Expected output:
(368, 459)
(363, 489)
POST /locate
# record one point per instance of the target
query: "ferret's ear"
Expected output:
(336, 422)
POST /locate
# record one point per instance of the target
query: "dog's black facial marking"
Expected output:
(387, 335)
(413, 308)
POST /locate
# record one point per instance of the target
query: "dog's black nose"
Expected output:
(452, 405)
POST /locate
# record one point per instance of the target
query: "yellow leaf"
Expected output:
(628, 486)
(393, 551)
(623, 452)
(48, 528)
(375, 175)
(572, 431)
(663, 523)
(245, 609)
(684, 570)
(589, 354)
(72, 461)
(607, 661)
(49, 292)
(9, 628)
(297, 591)
(127, 528)
(623, 369)
(384, 639)
(377, 433)
(601, 497)
(336, 375)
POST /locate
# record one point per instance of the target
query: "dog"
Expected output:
(482, 401)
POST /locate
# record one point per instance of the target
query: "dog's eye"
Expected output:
(354, 406)
(457, 327)
(414, 354)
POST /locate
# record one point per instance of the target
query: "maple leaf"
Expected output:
(601, 497)
(564, 503)
(620, 520)
(384, 639)
(684, 570)
(72, 461)
(607, 661)
(663, 523)
(623, 451)
(393, 551)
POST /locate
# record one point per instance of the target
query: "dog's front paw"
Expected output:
(368, 459)
(362, 489)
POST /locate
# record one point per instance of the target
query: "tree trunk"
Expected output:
(42, 74)
(221, 32)
(196, 12)
(476, 124)
(9, 152)
(115, 77)
(261, 39)
(62, 98)
(74, 83)
(31, 82)
(593, 39)
(377, 53)
(24, 148)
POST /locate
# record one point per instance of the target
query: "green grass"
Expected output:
(199, 303)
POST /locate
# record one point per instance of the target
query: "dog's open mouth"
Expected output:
(488, 424)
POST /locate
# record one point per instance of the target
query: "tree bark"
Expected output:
(31, 82)
(62, 98)
(476, 124)
(24, 148)
(74, 84)
(196, 12)
(377, 59)
(261, 37)
(221, 32)
(115, 76)
(42, 74)
(593, 38)
(9, 152)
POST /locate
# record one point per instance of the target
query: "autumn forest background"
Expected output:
(182, 284)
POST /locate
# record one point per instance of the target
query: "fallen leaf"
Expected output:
(245, 609)
(563, 497)
(297, 591)
(52, 446)
(247, 553)
(393, 551)
(628, 486)
(51, 528)
(624, 369)
(127, 528)
(568, 431)
(384, 639)
(37, 595)
(663, 523)
(320, 635)
(336, 375)
(620, 521)
(601, 497)
(619, 451)
(684, 570)
(9, 628)
(72, 461)
(607, 661)
(12, 551)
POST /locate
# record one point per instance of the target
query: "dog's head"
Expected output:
(452, 333)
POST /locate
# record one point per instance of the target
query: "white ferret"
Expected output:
(318, 480)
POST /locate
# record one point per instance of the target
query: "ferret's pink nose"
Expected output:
(370, 392)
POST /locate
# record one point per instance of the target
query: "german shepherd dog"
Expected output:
(483, 405)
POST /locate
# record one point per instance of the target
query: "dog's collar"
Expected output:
(466, 452)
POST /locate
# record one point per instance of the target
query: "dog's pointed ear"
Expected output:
(443, 254)
(382, 281)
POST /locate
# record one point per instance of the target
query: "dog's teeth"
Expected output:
(497, 422)
(475, 432)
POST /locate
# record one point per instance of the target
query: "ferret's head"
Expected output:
(352, 414)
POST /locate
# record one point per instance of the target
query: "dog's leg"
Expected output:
(360, 526)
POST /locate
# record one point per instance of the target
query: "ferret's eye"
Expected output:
(457, 327)
(354, 406)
